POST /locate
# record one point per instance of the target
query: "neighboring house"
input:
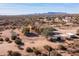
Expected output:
(57, 19)
(71, 35)
(57, 38)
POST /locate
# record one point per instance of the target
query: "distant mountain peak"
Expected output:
(57, 13)
(51, 13)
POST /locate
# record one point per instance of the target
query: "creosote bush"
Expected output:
(14, 53)
(18, 41)
(1, 39)
(47, 47)
(47, 31)
(13, 37)
(62, 47)
(25, 30)
(7, 39)
(77, 32)
(10, 53)
(28, 49)
(36, 51)
(56, 53)
(43, 54)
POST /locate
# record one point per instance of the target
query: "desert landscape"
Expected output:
(39, 35)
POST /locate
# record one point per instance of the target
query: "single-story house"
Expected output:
(57, 38)
(71, 35)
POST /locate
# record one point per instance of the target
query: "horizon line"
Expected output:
(34, 14)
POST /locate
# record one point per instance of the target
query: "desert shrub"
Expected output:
(58, 54)
(55, 53)
(48, 48)
(1, 39)
(28, 49)
(62, 47)
(76, 51)
(37, 30)
(43, 54)
(76, 43)
(15, 53)
(18, 41)
(7, 39)
(77, 32)
(0, 32)
(25, 30)
(36, 51)
(71, 50)
(10, 53)
(13, 37)
(13, 28)
(47, 31)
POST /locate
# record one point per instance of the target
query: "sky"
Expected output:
(31, 8)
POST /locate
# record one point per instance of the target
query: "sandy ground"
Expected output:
(38, 42)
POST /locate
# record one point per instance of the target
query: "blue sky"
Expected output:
(29, 8)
